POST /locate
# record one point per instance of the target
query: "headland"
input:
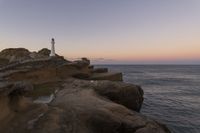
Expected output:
(43, 94)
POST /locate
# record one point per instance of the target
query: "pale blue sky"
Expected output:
(119, 31)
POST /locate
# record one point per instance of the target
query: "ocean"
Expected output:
(171, 93)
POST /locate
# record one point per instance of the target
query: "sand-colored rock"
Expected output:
(100, 103)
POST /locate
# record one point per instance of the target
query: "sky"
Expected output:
(106, 31)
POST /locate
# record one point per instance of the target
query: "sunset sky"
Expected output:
(106, 31)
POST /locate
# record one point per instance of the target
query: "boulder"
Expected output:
(125, 94)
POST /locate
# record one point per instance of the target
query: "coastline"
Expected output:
(87, 99)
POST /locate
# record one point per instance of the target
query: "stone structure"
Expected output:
(52, 47)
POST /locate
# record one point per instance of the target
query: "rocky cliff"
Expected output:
(20, 54)
(52, 95)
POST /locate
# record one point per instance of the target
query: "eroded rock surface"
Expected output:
(84, 107)
(99, 103)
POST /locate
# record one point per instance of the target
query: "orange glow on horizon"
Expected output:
(151, 54)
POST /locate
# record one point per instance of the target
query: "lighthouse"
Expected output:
(52, 48)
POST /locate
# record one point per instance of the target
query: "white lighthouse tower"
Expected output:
(52, 48)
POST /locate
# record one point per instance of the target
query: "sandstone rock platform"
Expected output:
(86, 99)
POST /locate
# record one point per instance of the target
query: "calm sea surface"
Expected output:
(171, 92)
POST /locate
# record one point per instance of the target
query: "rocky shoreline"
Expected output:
(84, 99)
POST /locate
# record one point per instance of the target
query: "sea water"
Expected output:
(171, 93)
